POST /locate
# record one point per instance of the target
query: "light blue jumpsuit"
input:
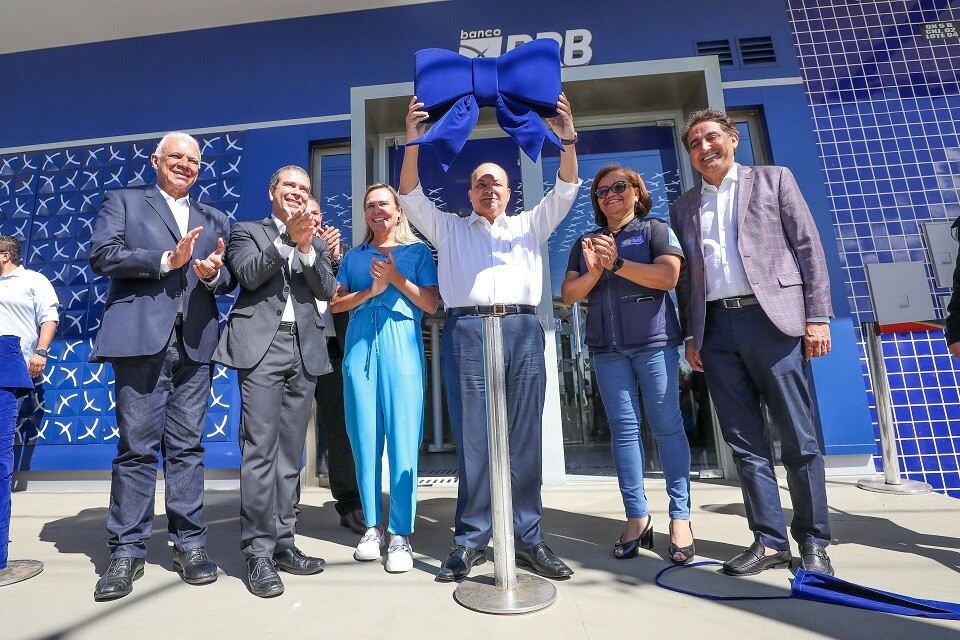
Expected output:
(383, 381)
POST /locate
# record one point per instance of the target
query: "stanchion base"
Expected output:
(19, 570)
(906, 487)
(482, 594)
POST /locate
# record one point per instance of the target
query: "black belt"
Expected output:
(737, 302)
(492, 310)
(287, 327)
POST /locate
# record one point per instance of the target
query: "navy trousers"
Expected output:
(462, 364)
(161, 407)
(746, 358)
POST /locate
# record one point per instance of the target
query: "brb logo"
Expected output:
(488, 43)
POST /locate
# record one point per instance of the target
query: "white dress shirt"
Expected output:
(480, 263)
(724, 274)
(27, 300)
(287, 253)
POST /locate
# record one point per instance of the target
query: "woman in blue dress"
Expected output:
(386, 284)
(625, 269)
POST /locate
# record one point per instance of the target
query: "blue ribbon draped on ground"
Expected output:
(13, 376)
(523, 84)
(820, 587)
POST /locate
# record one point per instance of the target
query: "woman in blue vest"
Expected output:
(625, 269)
(386, 284)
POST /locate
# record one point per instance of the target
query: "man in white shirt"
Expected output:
(754, 307)
(489, 264)
(163, 253)
(29, 307)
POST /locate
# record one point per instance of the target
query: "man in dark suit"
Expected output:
(275, 340)
(754, 306)
(159, 330)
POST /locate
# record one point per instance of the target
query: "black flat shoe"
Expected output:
(294, 561)
(752, 561)
(195, 566)
(813, 557)
(682, 555)
(117, 580)
(541, 559)
(262, 578)
(624, 550)
(459, 563)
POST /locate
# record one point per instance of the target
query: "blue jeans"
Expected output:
(656, 372)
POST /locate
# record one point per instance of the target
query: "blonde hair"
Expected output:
(402, 233)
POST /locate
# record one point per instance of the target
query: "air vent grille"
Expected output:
(719, 48)
(757, 50)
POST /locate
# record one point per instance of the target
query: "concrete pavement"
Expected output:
(910, 545)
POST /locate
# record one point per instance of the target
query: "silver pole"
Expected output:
(506, 592)
(891, 482)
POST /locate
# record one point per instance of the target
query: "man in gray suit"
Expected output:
(275, 340)
(754, 307)
(159, 330)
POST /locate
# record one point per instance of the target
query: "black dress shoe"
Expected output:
(541, 560)
(624, 550)
(117, 580)
(294, 561)
(194, 566)
(753, 561)
(353, 520)
(813, 557)
(262, 578)
(459, 563)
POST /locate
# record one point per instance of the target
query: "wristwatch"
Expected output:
(43, 352)
(616, 265)
(287, 240)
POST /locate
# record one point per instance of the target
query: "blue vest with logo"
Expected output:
(622, 314)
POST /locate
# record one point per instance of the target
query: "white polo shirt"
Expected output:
(479, 263)
(27, 300)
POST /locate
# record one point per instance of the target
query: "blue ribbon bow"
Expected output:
(523, 84)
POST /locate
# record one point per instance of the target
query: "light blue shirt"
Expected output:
(413, 261)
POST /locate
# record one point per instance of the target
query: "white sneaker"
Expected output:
(369, 546)
(399, 555)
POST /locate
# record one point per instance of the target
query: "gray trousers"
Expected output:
(276, 398)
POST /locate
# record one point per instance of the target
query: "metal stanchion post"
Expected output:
(505, 592)
(436, 402)
(891, 482)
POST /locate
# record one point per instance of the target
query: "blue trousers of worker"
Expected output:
(525, 372)
(383, 385)
(746, 358)
(655, 371)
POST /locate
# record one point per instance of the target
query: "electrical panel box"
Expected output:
(942, 251)
(900, 292)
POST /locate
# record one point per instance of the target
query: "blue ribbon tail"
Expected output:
(525, 126)
(448, 135)
(820, 587)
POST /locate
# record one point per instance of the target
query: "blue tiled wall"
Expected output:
(49, 201)
(885, 104)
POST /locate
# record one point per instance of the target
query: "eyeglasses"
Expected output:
(617, 187)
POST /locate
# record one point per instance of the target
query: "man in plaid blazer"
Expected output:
(754, 307)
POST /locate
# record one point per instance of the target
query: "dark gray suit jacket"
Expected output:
(135, 227)
(265, 284)
(778, 243)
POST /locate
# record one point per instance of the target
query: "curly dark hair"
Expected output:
(641, 207)
(706, 115)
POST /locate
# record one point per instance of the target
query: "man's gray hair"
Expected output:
(275, 178)
(170, 136)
